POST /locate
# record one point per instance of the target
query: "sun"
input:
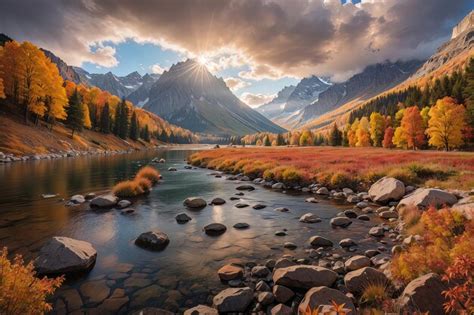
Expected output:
(202, 60)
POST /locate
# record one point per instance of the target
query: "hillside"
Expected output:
(189, 96)
(452, 55)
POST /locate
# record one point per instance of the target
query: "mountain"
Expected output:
(141, 95)
(306, 92)
(276, 105)
(66, 71)
(373, 80)
(452, 53)
(189, 96)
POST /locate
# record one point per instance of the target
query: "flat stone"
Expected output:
(309, 218)
(283, 262)
(241, 226)
(104, 201)
(218, 201)
(282, 209)
(356, 262)
(233, 300)
(230, 272)
(350, 214)
(265, 298)
(388, 215)
(425, 197)
(241, 205)
(127, 211)
(290, 245)
(311, 200)
(95, 291)
(65, 255)
(341, 222)
(201, 310)
(304, 276)
(319, 241)
(153, 240)
(259, 206)
(245, 187)
(363, 217)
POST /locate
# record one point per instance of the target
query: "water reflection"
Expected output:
(190, 262)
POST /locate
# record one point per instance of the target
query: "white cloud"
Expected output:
(156, 68)
(235, 83)
(255, 100)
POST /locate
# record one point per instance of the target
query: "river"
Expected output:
(126, 277)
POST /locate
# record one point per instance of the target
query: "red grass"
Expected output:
(352, 165)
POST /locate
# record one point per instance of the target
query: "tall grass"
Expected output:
(145, 178)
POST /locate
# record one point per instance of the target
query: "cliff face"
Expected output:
(464, 25)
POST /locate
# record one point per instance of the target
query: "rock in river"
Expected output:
(153, 240)
(182, 217)
(65, 255)
(319, 241)
(377, 231)
(304, 276)
(387, 189)
(309, 218)
(230, 272)
(104, 201)
(347, 242)
(245, 187)
(324, 296)
(341, 221)
(217, 201)
(241, 226)
(241, 205)
(195, 202)
(76, 199)
(215, 229)
(123, 204)
(233, 300)
(259, 206)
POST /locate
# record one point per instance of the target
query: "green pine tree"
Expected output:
(75, 113)
(105, 119)
(335, 137)
(134, 128)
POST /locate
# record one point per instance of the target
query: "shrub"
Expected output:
(446, 236)
(343, 180)
(374, 294)
(460, 277)
(403, 174)
(144, 184)
(149, 173)
(291, 175)
(411, 217)
(128, 189)
(21, 292)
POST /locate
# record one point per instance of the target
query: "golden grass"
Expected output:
(146, 177)
(339, 167)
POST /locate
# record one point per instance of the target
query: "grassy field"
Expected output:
(339, 167)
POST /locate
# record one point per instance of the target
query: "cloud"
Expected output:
(255, 100)
(235, 83)
(274, 38)
(156, 68)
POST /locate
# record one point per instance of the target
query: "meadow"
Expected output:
(339, 167)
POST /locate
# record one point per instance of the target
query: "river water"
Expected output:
(126, 277)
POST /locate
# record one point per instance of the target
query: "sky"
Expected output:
(257, 46)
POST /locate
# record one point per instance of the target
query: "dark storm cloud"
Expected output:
(298, 37)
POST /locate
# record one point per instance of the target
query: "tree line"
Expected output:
(31, 83)
(441, 115)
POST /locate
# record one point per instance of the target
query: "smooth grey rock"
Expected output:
(387, 189)
(322, 295)
(309, 218)
(194, 203)
(322, 191)
(241, 226)
(425, 197)
(341, 222)
(65, 255)
(424, 294)
(214, 229)
(357, 280)
(123, 204)
(76, 199)
(104, 201)
(347, 242)
(319, 241)
(356, 262)
(377, 231)
(218, 201)
(182, 217)
(245, 187)
(233, 300)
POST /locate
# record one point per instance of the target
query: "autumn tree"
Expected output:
(377, 128)
(363, 133)
(468, 94)
(352, 133)
(306, 138)
(335, 136)
(75, 113)
(411, 132)
(55, 95)
(10, 63)
(2, 92)
(388, 138)
(279, 140)
(446, 124)
(145, 135)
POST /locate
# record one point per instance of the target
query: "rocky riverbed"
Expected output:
(240, 245)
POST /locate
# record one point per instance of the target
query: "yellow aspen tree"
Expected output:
(352, 133)
(446, 124)
(399, 138)
(363, 133)
(377, 128)
(56, 98)
(9, 63)
(87, 118)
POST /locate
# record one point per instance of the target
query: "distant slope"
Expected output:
(370, 82)
(453, 55)
(141, 95)
(189, 96)
(277, 105)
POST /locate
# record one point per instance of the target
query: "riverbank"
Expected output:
(19, 141)
(334, 167)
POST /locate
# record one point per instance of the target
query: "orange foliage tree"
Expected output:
(411, 131)
(21, 292)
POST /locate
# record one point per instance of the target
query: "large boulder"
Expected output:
(282, 294)
(304, 276)
(425, 197)
(104, 201)
(153, 240)
(233, 300)
(356, 262)
(387, 189)
(201, 310)
(357, 280)
(324, 296)
(465, 207)
(424, 294)
(65, 255)
(194, 203)
(230, 272)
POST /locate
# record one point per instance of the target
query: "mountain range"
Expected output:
(188, 95)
